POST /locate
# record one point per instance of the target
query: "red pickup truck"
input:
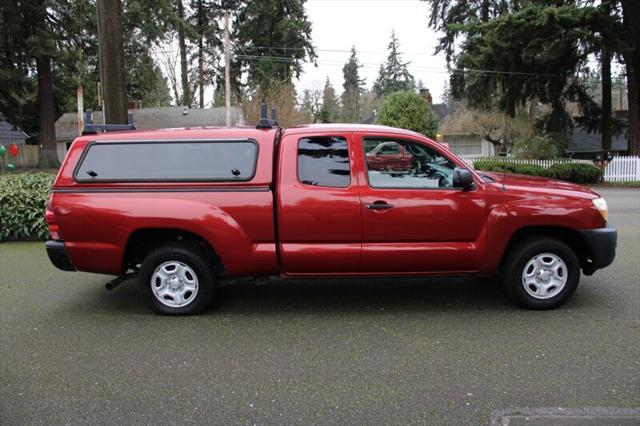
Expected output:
(186, 209)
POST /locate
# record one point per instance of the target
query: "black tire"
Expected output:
(520, 256)
(186, 255)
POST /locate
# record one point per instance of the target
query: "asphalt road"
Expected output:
(411, 351)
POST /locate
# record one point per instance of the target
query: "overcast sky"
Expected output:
(367, 24)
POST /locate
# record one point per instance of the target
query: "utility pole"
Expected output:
(227, 80)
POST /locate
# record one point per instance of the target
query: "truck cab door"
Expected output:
(413, 220)
(318, 204)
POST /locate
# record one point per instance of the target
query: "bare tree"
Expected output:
(493, 126)
(311, 103)
(169, 63)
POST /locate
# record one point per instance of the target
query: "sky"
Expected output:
(336, 25)
(367, 24)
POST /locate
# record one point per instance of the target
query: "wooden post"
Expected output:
(80, 98)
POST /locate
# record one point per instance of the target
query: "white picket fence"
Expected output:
(544, 163)
(623, 169)
(620, 169)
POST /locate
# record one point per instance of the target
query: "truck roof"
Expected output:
(349, 127)
(206, 132)
(182, 133)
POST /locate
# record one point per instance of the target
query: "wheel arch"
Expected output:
(143, 240)
(571, 237)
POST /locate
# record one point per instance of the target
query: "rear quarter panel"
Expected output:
(97, 219)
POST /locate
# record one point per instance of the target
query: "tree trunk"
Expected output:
(47, 117)
(631, 54)
(111, 56)
(201, 25)
(606, 101)
(633, 79)
(201, 71)
(184, 70)
(485, 11)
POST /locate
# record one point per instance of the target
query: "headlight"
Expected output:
(601, 205)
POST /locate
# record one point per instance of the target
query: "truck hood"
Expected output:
(541, 184)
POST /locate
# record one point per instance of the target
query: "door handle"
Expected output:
(379, 205)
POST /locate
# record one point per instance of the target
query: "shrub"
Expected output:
(577, 172)
(506, 167)
(23, 199)
(572, 172)
(536, 148)
(408, 110)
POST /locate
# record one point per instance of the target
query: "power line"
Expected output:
(368, 52)
(520, 75)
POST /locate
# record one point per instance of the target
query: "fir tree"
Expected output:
(273, 39)
(330, 108)
(394, 76)
(352, 90)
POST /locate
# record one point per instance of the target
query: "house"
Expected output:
(587, 146)
(150, 118)
(464, 144)
(470, 145)
(10, 134)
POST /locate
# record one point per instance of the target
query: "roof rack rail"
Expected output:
(266, 123)
(93, 129)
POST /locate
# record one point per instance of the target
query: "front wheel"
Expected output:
(176, 280)
(542, 273)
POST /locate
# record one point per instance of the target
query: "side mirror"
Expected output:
(462, 178)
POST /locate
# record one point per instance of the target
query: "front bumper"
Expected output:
(58, 255)
(601, 248)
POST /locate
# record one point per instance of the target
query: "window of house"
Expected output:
(466, 145)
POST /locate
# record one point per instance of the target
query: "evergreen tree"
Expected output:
(353, 87)
(273, 39)
(394, 75)
(380, 79)
(330, 108)
(207, 37)
(447, 17)
(27, 46)
(408, 110)
(47, 51)
(531, 52)
(630, 50)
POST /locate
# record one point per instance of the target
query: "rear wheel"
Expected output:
(541, 273)
(176, 280)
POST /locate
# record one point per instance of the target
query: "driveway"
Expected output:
(385, 351)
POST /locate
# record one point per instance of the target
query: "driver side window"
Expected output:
(420, 167)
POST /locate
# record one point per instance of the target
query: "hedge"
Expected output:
(578, 173)
(572, 172)
(505, 167)
(23, 199)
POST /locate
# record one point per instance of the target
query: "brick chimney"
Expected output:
(426, 95)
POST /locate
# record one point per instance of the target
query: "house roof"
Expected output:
(10, 134)
(155, 118)
(581, 141)
(441, 110)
